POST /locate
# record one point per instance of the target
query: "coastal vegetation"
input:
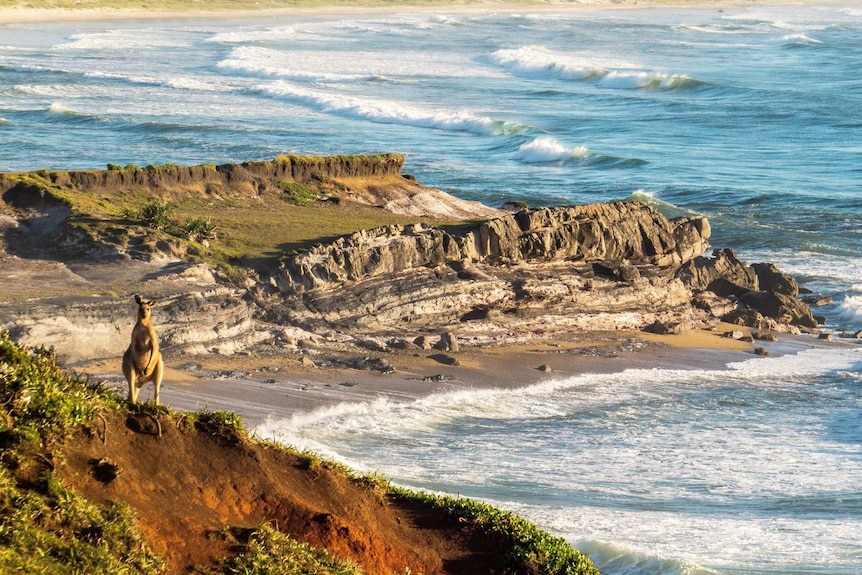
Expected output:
(221, 224)
(49, 526)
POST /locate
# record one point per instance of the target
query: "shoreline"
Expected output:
(29, 15)
(262, 387)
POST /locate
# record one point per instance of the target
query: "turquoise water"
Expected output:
(751, 116)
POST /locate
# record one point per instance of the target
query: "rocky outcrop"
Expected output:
(761, 291)
(617, 231)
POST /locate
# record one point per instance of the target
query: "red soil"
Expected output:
(186, 485)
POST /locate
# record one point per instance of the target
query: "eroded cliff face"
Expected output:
(250, 177)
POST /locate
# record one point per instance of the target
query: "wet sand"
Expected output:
(271, 385)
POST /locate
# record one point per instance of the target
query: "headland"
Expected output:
(324, 280)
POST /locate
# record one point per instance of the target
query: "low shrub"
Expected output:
(199, 229)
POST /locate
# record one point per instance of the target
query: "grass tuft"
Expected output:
(531, 549)
(271, 552)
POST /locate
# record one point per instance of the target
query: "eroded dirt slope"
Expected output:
(187, 485)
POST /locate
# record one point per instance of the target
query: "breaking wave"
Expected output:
(391, 112)
(547, 150)
(539, 62)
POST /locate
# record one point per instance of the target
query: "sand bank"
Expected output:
(71, 11)
(263, 385)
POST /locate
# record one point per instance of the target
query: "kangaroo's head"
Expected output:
(145, 307)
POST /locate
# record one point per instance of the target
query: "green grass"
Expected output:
(268, 551)
(252, 231)
(44, 526)
(531, 549)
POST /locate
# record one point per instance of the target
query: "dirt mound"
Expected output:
(187, 485)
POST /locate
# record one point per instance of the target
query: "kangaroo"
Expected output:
(143, 361)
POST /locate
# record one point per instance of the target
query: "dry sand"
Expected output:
(12, 12)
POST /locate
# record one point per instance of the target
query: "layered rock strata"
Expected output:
(512, 277)
(619, 231)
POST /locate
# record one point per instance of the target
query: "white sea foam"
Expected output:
(122, 39)
(678, 468)
(800, 39)
(268, 62)
(629, 80)
(49, 90)
(546, 149)
(539, 62)
(816, 267)
(63, 110)
(851, 305)
(390, 112)
(254, 35)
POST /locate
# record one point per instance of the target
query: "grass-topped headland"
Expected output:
(231, 216)
(89, 484)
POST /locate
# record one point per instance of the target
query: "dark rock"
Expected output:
(701, 272)
(761, 336)
(761, 351)
(403, 344)
(735, 334)
(826, 337)
(617, 231)
(664, 328)
(448, 342)
(783, 308)
(545, 367)
(444, 359)
(438, 377)
(816, 300)
(477, 313)
(771, 279)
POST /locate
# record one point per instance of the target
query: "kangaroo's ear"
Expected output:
(138, 299)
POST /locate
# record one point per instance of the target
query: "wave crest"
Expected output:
(547, 150)
(391, 112)
(539, 62)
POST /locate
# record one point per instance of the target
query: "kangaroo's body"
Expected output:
(142, 361)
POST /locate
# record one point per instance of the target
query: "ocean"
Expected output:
(750, 115)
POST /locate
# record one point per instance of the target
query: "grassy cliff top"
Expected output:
(248, 215)
(90, 484)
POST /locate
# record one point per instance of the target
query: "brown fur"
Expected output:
(143, 361)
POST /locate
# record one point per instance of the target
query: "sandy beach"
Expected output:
(17, 12)
(277, 385)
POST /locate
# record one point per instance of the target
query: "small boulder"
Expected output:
(546, 368)
(761, 336)
(448, 342)
(664, 328)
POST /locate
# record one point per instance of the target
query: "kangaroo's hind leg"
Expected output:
(132, 377)
(157, 379)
